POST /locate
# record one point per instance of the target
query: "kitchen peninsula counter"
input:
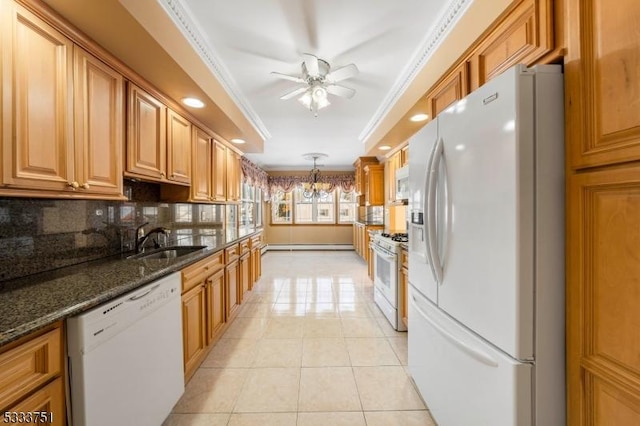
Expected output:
(30, 303)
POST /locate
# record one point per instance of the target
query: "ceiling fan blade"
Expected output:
(345, 92)
(302, 21)
(311, 63)
(342, 73)
(288, 77)
(293, 93)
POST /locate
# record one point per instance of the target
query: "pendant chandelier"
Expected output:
(314, 187)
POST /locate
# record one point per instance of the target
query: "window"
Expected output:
(247, 218)
(250, 206)
(347, 207)
(330, 208)
(314, 210)
(258, 207)
(281, 206)
(182, 212)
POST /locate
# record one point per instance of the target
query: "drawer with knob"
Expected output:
(194, 274)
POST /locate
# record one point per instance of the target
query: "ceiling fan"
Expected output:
(319, 80)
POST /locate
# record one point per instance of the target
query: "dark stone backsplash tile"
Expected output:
(39, 235)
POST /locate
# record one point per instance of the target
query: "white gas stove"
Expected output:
(386, 248)
(390, 242)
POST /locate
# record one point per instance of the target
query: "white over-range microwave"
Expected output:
(402, 185)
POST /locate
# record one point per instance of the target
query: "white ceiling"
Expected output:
(244, 40)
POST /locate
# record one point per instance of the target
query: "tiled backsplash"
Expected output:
(40, 234)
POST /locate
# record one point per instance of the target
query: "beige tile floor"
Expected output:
(309, 347)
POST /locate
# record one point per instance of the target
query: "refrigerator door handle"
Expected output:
(466, 348)
(436, 263)
(427, 185)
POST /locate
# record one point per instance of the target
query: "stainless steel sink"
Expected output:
(167, 252)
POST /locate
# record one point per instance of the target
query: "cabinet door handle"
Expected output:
(86, 185)
(162, 174)
(73, 185)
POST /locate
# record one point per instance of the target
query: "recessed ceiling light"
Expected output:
(419, 117)
(237, 140)
(193, 102)
(384, 147)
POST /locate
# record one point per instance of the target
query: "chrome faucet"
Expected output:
(141, 237)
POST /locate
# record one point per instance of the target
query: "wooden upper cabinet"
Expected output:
(69, 141)
(99, 124)
(359, 174)
(524, 36)
(178, 148)
(392, 164)
(453, 87)
(374, 184)
(146, 135)
(219, 172)
(233, 175)
(602, 73)
(37, 110)
(202, 159)
(404, 156)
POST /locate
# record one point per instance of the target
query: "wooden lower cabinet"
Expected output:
(358, 238)
(194, 337)
(31, 377)
(370, 259)
(48, 401)
(361, 238)
(232, 275)
(245, 274)
(255, 259)
(256, 265)
(216, 312)
(204, 311)
(603, 297)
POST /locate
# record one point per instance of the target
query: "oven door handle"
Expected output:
(383, 254)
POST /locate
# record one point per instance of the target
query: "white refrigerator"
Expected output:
(486, 254)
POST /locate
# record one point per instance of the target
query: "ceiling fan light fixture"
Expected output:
(320, 81)
(314, 99)
(305, 99)
(318, 93)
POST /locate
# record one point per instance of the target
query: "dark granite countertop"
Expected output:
(35, 301)
(370, 222)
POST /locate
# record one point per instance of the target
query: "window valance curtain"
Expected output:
(344, 181)
(254, 175)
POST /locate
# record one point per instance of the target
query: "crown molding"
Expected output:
(432, 41)
(187, 26)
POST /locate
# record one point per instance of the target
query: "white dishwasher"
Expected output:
(125, 357)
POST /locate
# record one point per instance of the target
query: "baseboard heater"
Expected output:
(297, 247)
